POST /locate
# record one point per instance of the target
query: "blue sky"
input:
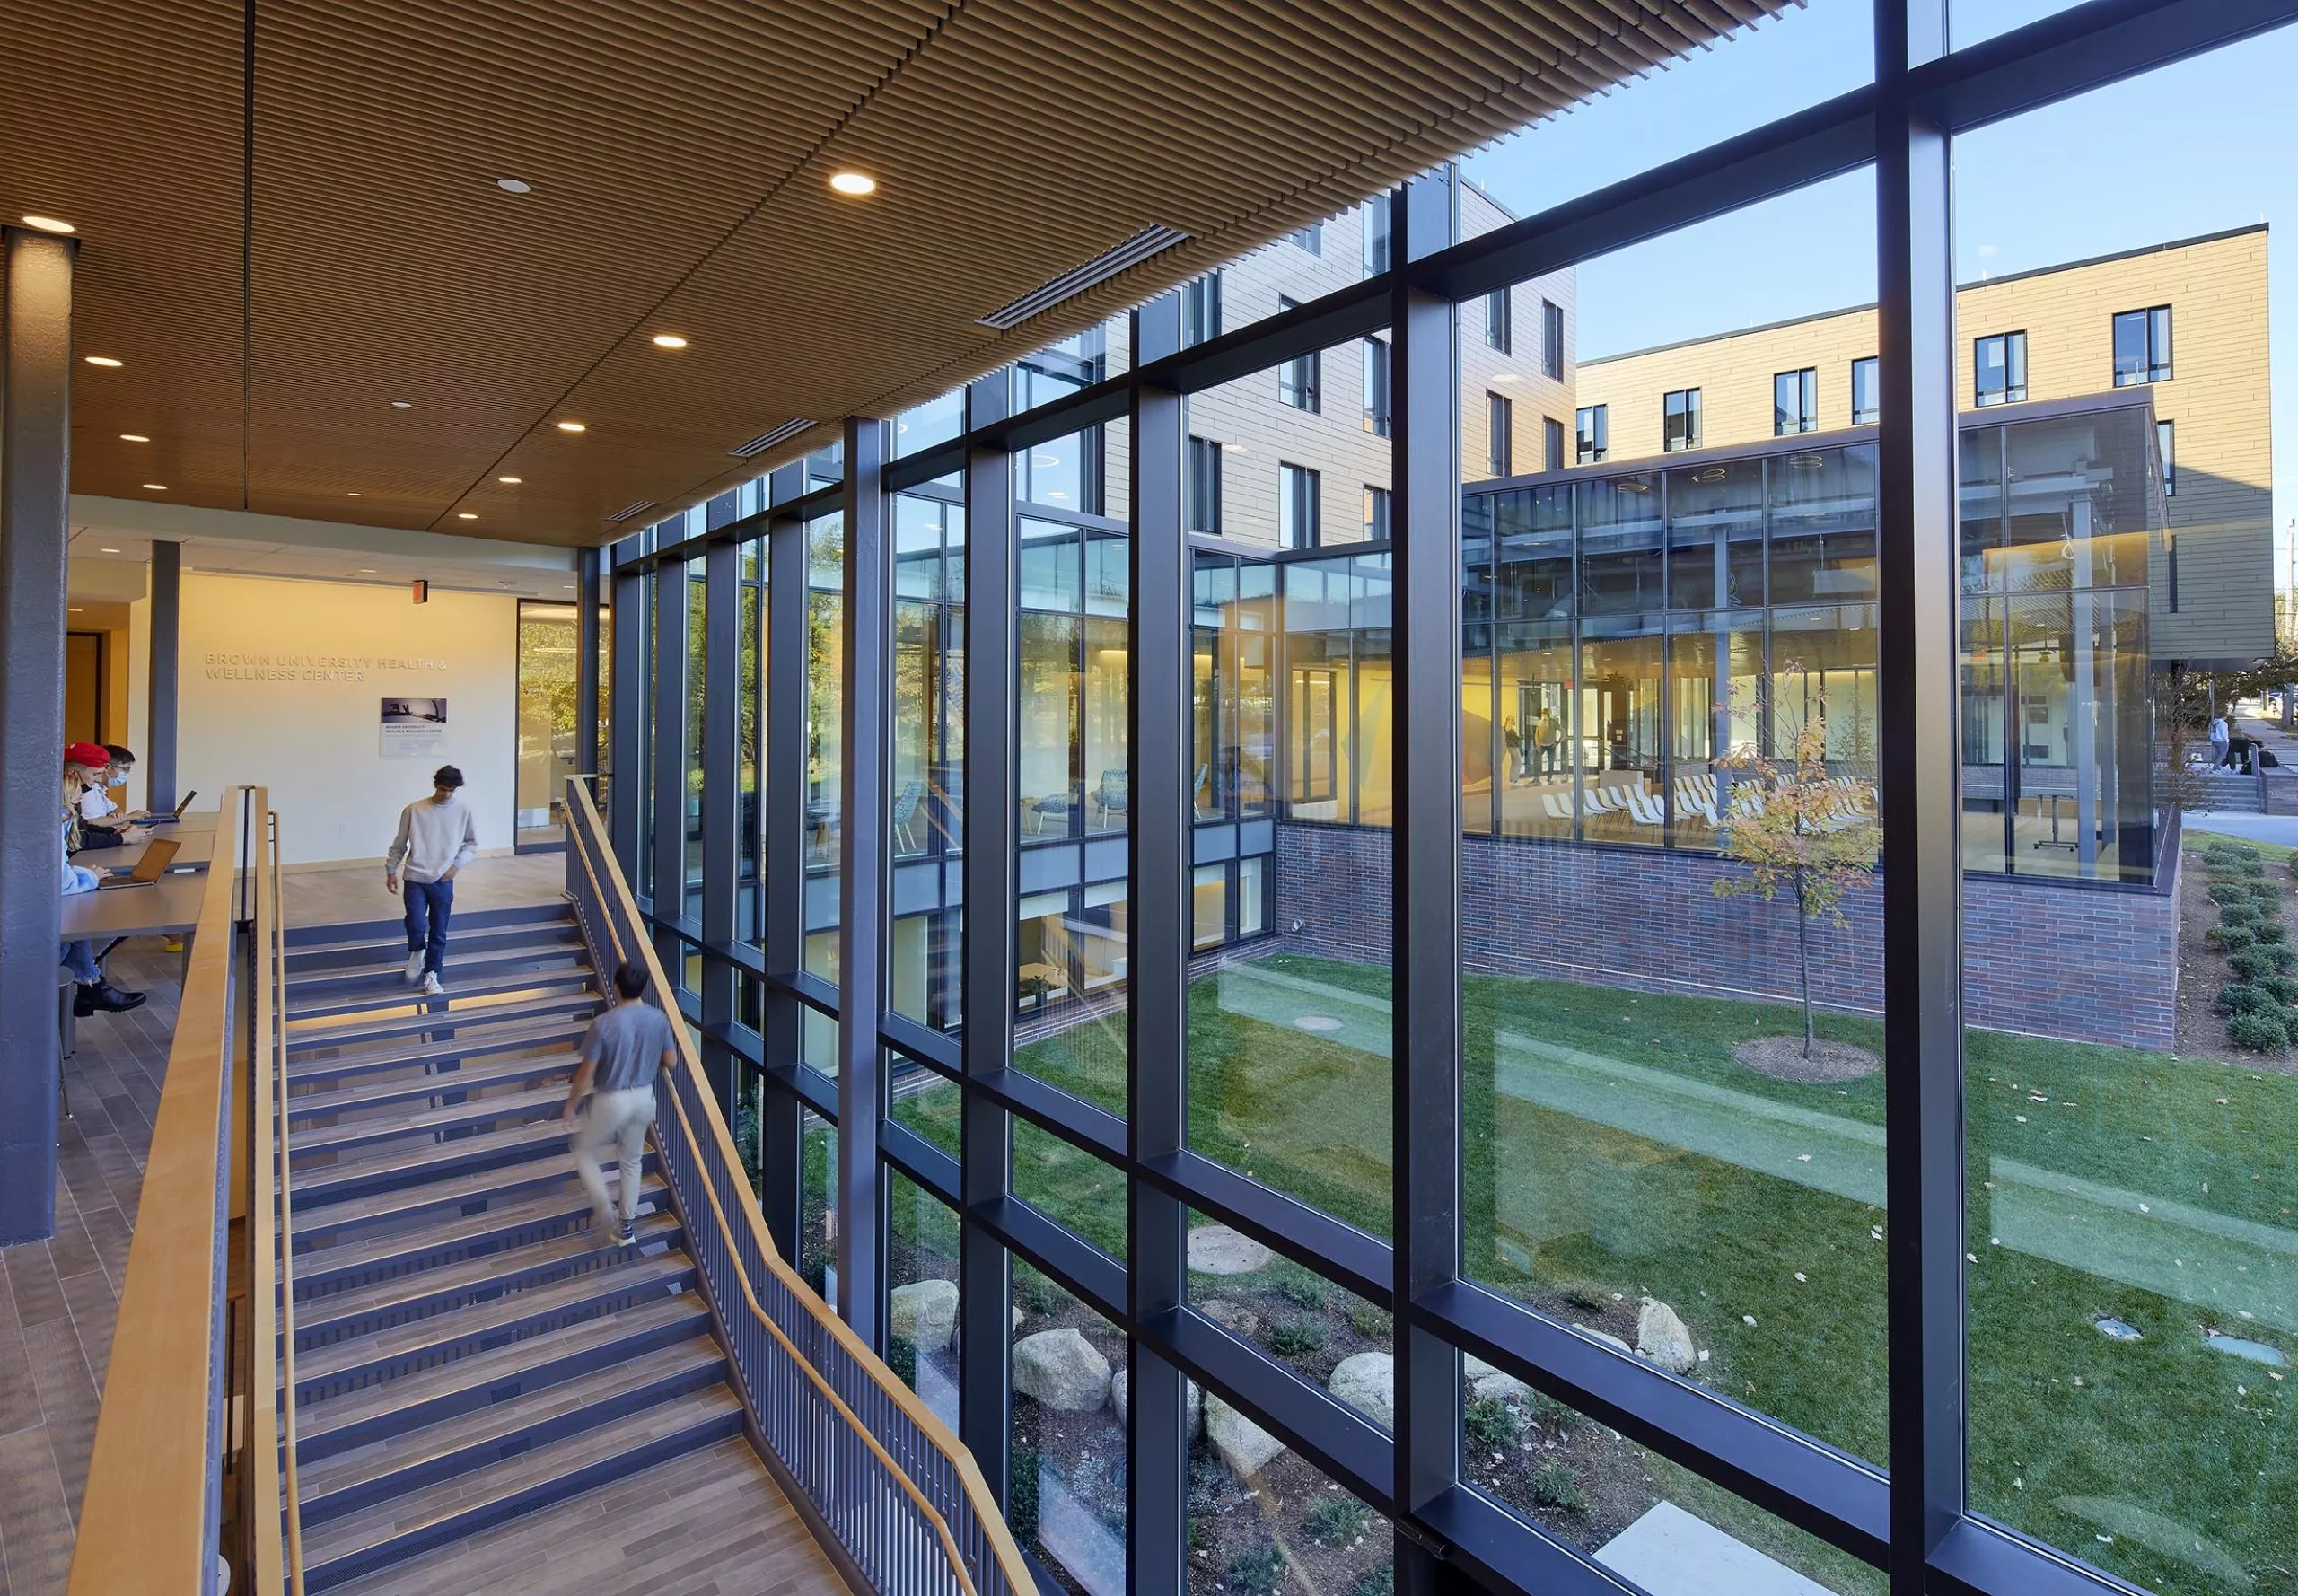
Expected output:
(2202, 147)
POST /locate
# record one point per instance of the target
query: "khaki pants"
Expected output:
(621, 1117)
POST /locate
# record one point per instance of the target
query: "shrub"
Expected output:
(2240, 914)
(1255, 1571)
(2225, 892)
(2230, 937)
(2251, 964)
(2281, 955)
(1336, 1521)
(2244, 998)
(2284, 987)
(2270, 931)
(2294, 864)
(902, 1356)
(1493, 1422)
(1305, 1289)
(1552, 1414)
(2259, 1033)
(1037, 1295)
(1373, 1323)
(1555, 1487)
(1584, 1296)
(2262, 889)
(1379, 1581)
(1021, 1495)
(1296, 1337)
(2243, 850)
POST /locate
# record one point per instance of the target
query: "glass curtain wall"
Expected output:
(548, 754)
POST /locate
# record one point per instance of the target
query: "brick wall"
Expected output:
(2045, 958)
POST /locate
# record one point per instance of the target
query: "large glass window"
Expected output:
(1866, 391)
(1796, 402)
(1592, 426)
(1679, 420)
(548, 754)
(925, 822)
(1065, 1488)
(2143, 347)
(1499, 436)
(1374, 361)
(2000, 364)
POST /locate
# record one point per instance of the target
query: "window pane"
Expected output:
(1278, 1524)
(1068, 1184)
(1065, 1489)
(1329, 1337)
(922, 1279)
(925, 786)
(818, 1204)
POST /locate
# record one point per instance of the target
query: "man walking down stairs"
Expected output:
(491, 1390)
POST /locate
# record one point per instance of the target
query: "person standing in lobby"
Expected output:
(436, 839)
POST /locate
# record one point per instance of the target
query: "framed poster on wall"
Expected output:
(414, 728)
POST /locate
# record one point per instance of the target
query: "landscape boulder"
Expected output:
(1061, 1369)
(924, 1313)
(1216, 1249)
(1192, 1403)
(1242, 1445)
(1662, 1337)
(1367, 1382)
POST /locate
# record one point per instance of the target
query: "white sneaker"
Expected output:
(431, 986)
(415, 966)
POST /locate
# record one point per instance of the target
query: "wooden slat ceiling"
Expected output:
(678, 152)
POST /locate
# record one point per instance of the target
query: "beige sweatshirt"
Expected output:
(433, 839)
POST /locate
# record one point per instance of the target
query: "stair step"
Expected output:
(500, 1430)
(360, 1310)
(499, 950)
(489, 1186)
(556, 1033)
(487, 1325)
(500, 1108)
(309, 942)
(358, 1418)
(438, 1017)
(377, 1094)
(499, 1226)
(318, 1188)
(404, 1526)
(395, 994)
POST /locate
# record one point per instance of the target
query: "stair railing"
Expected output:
(903, 1498)
(186, 1492)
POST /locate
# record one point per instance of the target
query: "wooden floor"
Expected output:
(353, 896)
(61, 1295)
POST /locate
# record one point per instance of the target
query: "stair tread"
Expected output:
(536, 1139)
(401, 1120)
(386, 933)
(347, 1100)
(383, 1295)
(369, 1252)
(477, 1186)
(446, 1019)
(445, 1329)
(480, 1425)
(402, 1515)
(496, 1365)
(398, 995)
(554, 1033)
(551, 942)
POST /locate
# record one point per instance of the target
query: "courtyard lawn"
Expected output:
(1613, 1144)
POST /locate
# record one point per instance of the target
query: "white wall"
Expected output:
(280, 683)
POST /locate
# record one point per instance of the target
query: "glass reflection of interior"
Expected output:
(548, 754)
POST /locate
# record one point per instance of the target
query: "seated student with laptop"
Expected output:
(96, 996)
(97, 821)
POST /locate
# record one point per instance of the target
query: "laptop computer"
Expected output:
(171, 819)
(157, 855)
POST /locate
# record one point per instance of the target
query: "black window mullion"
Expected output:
(628, 712)
(669, 774)
(722, 801)
(782, 864)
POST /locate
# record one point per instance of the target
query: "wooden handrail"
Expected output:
(147, 1518)
(995, 1532)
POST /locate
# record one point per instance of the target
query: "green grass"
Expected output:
(1611, 1142)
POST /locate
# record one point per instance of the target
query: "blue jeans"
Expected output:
(80, 959)
(431, 901)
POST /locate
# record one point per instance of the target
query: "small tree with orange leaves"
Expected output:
(1797, 832)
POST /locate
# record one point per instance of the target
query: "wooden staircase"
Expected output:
(469, 1346)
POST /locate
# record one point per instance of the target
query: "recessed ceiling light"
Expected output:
(669, 340)
(357, 494)
(513, 482)
(513, 186)
(157, 487)
(466, 515)
(366, 570)
(402, 404)
(570, 426)
(76, 609)
(134, 438)
(49, 224)
(104, 360)
(853, 182)
(112, 551)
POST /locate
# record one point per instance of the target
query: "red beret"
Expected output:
(93, 755)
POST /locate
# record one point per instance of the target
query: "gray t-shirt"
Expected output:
(628, 1043)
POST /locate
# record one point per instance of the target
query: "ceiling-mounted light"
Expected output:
(357, 494)
(49, 224)
(514, 186)
(570, 426)
(466, 515)
(134, 438)
(513, 482)
(853, 182)
(669, 340)
(157, 487)
(104, 360)
(366, 570)
(110, 551)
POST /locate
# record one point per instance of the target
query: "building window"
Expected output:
(1551, 444)
(2166, 443)
(1500, 435)
(1204, 485)
(1499, 323)
(1312, 238)
(1867, 396)
(1201, 309)
(1999, 366)
(1552, 340)
(1376, 387)
(1376, 514)
(1679, 420)
(1592, 423)
(1298, 378)
(1796, 402)
(1376, 236)
(2143, 347)
(1296, 507)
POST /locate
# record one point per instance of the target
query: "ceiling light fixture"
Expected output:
(357, 494)
(570, 426)
(49, 224)
(366, 570)
(402, 404)
(157, 487)
(514, 186)
(669, 340)
(134, 438)
(112, 551)
(513, 482)
(849, 182)
(104, 360)
(466, 515)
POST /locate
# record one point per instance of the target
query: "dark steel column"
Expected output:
(721, 804)
(1426, 561)
(993, 661)
(1158, 910)
(628, 712)
(158, 754)
(668, 773)
(782, 862)
(1921, 777)
(35, 488)
(586, 662)
(863, 901)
